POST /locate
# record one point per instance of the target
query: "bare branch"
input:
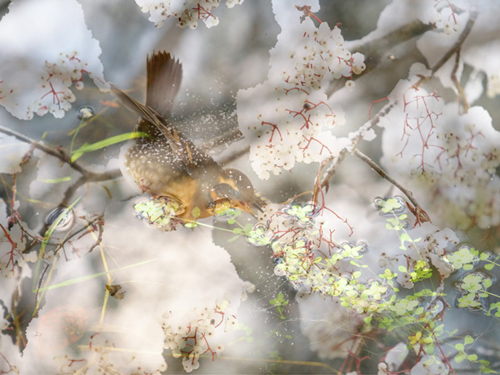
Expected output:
(384, 175)
(458, 44)
(374, 121)
(229, 137)
(61, 155)
(455, 48)
(412, 28)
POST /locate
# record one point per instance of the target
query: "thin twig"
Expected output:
(374, 121)
(455, 48)
(228, 137)
(456, 81)
(458, 44)
(61, 155)
(235, 155)
(384, 175)
(86, 175)
(384, 111)
(376, 49)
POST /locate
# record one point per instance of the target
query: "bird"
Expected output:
(166, 164)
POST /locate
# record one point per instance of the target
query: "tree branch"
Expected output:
(417, 210)
(65, 158)
(384, 111)
(375, 50)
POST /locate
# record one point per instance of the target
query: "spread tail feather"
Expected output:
(164, 77)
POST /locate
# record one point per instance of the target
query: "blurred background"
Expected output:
(217, 62)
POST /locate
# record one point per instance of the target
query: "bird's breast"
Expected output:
(151, 165)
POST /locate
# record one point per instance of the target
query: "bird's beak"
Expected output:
(252, 208)
(257, 206)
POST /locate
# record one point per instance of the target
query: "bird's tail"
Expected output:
(164, 77)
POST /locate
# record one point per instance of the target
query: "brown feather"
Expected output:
(164, 77)
(168, 164)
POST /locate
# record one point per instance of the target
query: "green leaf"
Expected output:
(468, 340)
(196, 212)
(429, 349)
(459, 347)
(247, 228)
(55, 180)
(484, 256)
(232, 239)
(472, 357)
(489, 266)
(460, 357)
(89, 277)
(486, 370)
(105, 143)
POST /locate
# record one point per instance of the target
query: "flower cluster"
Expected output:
(447, 158)
(332, 330)
(55, 83)
(444, 16)
(289, 118)
(102, 356)
(12, 260)
(157, 212)
(52, 90)
(293, 235)
(313, 261)
(187, 12)
(320, 57)
(40, 63)
(414, 262)
(193, 339)
(430, 365)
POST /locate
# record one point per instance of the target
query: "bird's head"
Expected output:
(235, 190)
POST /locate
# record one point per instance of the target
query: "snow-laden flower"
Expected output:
(448, 159)
(289, 118)
(186, 12)
(429, 365)
(36, 72)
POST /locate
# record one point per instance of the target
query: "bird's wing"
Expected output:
(189, 157)
(132, 104)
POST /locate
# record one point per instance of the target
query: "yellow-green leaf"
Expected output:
(105, 143)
